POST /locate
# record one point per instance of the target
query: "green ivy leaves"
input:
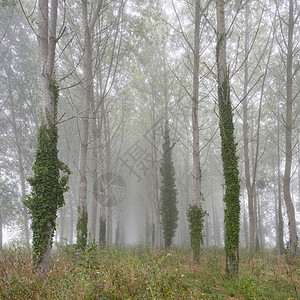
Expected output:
(195, 216)
(48, 185)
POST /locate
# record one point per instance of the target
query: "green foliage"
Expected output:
(102, 232)
(195, 216)
(248, 287)
(7, 3)
(82, 222)
(138, 273)
(169, 212)
(48, 186)
(231, 174)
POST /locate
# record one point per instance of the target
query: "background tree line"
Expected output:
(125, 70)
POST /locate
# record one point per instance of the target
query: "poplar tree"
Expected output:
(228, 149)
(169, 212)
(195, 213)
(47, 183)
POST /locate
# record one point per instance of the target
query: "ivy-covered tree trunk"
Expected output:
(228, 149)
(169, 212)
(47, 189)
(102, 231)
(47, 186)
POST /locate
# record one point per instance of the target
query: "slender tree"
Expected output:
(249, 185)
(195, 212)
(169, 212)
(228, 149)
(88, 27)
(47, 186)
(288, 134)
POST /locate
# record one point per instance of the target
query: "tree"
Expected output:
(249, 142)
(195, 213)
(8, 207)
(88, 27)
(169, 212)
(288, 132)
(19, 88)
(228, 148)
(47, 184)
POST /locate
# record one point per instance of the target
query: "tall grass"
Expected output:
(142, 273)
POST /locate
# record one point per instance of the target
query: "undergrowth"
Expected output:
(142, 273)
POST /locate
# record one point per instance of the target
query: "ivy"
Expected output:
(102, 232)
(48, 186)
(169, 212)
(82, 223)
(195, 216)
(231, 173)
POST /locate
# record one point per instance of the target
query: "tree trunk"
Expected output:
(280, 218)
(245, 226)
(94, 204)
(217, 241)
(71, 218)
(207, 233)
(1, 224)
(62, 226)
(252, 219)
(102, 223)
(47, 45)
(260, 225)
(257, 240)
(228, 149)
(88, 100)
(280, 226)
(298, 140)
(288, 138)
(109, 174)
(156, 223)
(195, 105)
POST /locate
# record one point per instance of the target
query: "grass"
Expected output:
(142, 273)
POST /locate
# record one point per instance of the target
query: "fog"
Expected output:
(142, 82)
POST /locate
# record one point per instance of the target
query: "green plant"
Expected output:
(230, 166)
(169, 212)
(250, 288)
(195, 216)
(48, 186)
(81, 228)
(102, 232)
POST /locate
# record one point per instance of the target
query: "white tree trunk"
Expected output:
(288, 138)
(249, 186)
(88, 84)
(195, 105)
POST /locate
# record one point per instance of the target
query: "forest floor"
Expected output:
(141, 273)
